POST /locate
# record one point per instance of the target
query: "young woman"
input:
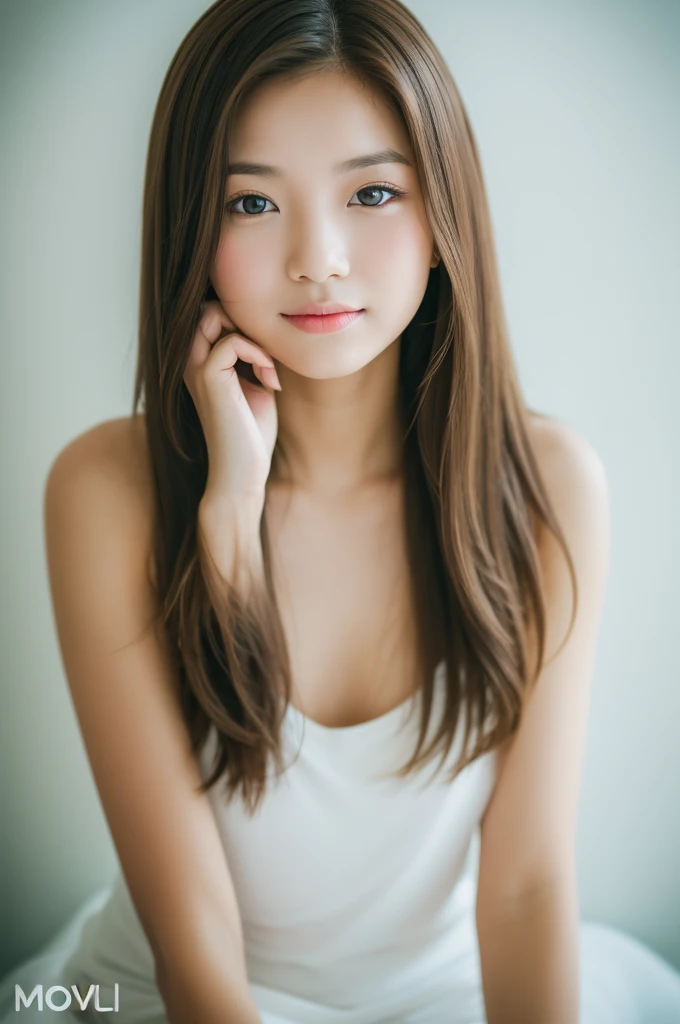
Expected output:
(328, 605)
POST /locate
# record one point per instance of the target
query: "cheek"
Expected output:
(241, 268)
(395, 244)
(396, 258)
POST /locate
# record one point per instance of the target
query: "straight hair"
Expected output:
(474, 497)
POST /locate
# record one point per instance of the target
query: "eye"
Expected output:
(242, 196)
(380, 187)
(259, 202)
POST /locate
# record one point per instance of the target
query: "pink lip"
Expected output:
(321, 309)
(323, 323)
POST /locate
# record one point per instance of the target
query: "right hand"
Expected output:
(239, 419)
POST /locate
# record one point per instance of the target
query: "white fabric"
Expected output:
(356, 893)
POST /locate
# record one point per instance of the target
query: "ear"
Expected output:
(435, 257)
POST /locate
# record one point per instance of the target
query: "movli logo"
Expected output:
(21, 999)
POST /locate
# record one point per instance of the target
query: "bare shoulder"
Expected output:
(577, 487)
(105, 472)
(115, 449)
(571, 468)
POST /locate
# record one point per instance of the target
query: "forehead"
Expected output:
(322, 119)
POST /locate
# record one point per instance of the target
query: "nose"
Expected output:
(318, 249)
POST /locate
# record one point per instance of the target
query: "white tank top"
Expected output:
(356, 890)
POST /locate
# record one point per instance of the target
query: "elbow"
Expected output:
(188, 952)
(501, 898)
(210, 988)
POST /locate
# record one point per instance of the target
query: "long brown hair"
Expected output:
(474, 495)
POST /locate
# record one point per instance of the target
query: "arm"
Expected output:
(527, 900)
(211, 992)
(121, 678)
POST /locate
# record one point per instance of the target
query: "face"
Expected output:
(313, 231)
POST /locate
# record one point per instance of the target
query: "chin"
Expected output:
(328, 362)
(325, 369)
(329, 356)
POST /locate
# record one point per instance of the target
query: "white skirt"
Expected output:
(621, 982)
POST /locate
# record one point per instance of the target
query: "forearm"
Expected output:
(212, 994)
(228, 541)
(529, 956)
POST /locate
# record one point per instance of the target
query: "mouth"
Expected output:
(322, 309)
(323, 323)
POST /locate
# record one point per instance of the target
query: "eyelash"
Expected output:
(381, 185)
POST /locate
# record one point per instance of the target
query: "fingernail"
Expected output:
(272, 377)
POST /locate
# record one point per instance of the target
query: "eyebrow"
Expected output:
(382, 156)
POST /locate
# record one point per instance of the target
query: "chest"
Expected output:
(342, 584)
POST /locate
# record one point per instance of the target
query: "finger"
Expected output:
(211, 325)
(231, 347)
(267, 376)
(214, 320)
(221, 370)
(271, 377)
(208, 329)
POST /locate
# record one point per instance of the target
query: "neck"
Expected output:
(334, 436)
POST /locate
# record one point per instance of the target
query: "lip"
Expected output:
(322, 309)
(315, 323)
